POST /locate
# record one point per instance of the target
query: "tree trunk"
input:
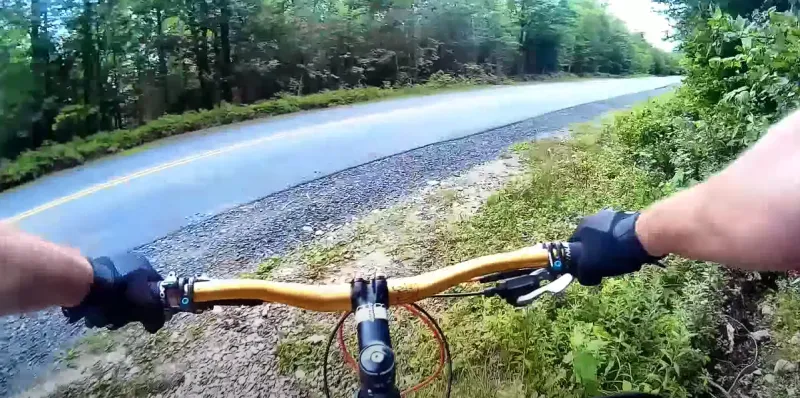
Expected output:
(225, 69)
(40, 60)
(87, 54)
(215, 48)
(103, 120)
(117, 109)
(198, 15)
(203, 70)
(162, 57)
(522, 56)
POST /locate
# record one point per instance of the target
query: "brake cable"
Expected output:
(444, 351)
(521, 287)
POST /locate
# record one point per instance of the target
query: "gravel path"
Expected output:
(239, 239)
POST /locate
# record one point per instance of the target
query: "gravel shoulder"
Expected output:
(236, 241)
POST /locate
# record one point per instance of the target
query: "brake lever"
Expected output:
(554, 287)
(512, 289)
(177, 295)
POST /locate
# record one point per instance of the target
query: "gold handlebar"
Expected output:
(333, 298)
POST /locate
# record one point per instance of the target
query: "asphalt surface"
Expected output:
(126, 201)
(239, 237)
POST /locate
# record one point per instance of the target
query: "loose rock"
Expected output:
(784, 366)
(795, 340)
(760, 335)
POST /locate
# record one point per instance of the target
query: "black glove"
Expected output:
(608, 247)
(122, 292)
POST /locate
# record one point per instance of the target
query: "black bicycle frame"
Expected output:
(376, 362)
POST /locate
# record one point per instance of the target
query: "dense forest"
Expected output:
(75, 67)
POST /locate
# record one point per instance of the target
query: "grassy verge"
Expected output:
(651, 332)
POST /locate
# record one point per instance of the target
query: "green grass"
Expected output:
(786, 323)
(650, 332)
(97, 343)
(119, 386)
(318, 258)
(521, 147)
(785, 339)
(264, 270)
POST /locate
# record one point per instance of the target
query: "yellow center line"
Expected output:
(477, 102)
(303, 131)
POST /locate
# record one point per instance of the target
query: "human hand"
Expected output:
(609, 247)
(121, 293)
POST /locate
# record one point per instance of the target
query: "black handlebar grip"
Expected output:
(572, 254)
(609, 246)
(155, 289)
(590, 265)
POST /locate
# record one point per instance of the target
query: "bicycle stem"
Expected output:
(376, 360)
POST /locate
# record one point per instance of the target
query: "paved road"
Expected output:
(126, 201)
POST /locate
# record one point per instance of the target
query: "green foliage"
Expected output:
(318, 258)
(637, 334)
(296, 354)
(742, 77)
(651, 332)
(264, 270)
(521, 147)
(75, 120)
(786, 324)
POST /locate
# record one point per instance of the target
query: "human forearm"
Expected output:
(38, 274)
(748, 215)
(689, 225)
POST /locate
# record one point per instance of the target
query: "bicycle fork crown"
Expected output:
(376, 362)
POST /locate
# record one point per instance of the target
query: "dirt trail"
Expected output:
(234, 351)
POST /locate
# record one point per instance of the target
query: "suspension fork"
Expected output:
(376, 362)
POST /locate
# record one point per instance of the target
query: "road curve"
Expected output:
(122, 202)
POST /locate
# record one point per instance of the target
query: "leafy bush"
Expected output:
(742, 77)
(442, 79)
(76, 118)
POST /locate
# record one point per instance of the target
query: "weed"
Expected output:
(264, 270)
(195, 332)
(448, 196)
(318, 258)
(520, 147)
(97, 343)
(785, 322)
(142, 386)
(303, 350)
(648, 332)
(69, 358)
